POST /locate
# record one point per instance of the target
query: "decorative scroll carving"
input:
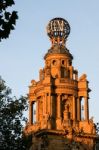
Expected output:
(83, 77)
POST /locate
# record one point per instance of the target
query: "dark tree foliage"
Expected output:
(97, 128)
(7, 18)
(11, 120)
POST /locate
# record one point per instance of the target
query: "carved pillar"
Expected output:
(78, 109)
(50, 101)
(59, 119)
(59, 106)
(30, 113)
(49, 104)
(74, 108)
(44, 104)
(46, 110)
(49, 111)
(71, 72)
(37, 103)
(86, 108)
(76, 75)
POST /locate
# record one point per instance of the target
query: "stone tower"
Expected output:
(58, 102)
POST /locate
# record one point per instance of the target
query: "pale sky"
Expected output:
(21, 56)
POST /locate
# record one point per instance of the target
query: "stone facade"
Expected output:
(58, 104)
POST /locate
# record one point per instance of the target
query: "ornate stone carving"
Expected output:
(59, 98)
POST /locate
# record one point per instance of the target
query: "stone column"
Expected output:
(49, 111)
(49, 104)
(86, 108)
(71, 72)
(59, 106)
(45, 117)
(44, 104)
(37, 111)
(58, 119)
(74, 108)
(76, 75)
(78, 109)
(30, 113)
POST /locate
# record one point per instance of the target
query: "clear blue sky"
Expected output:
(21, 56)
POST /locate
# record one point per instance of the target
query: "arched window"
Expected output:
(63, 62)
(54, 62)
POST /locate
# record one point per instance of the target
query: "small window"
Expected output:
(47, 94)
(54, 62)
(63, 62)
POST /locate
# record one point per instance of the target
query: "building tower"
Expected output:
(58, 102)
